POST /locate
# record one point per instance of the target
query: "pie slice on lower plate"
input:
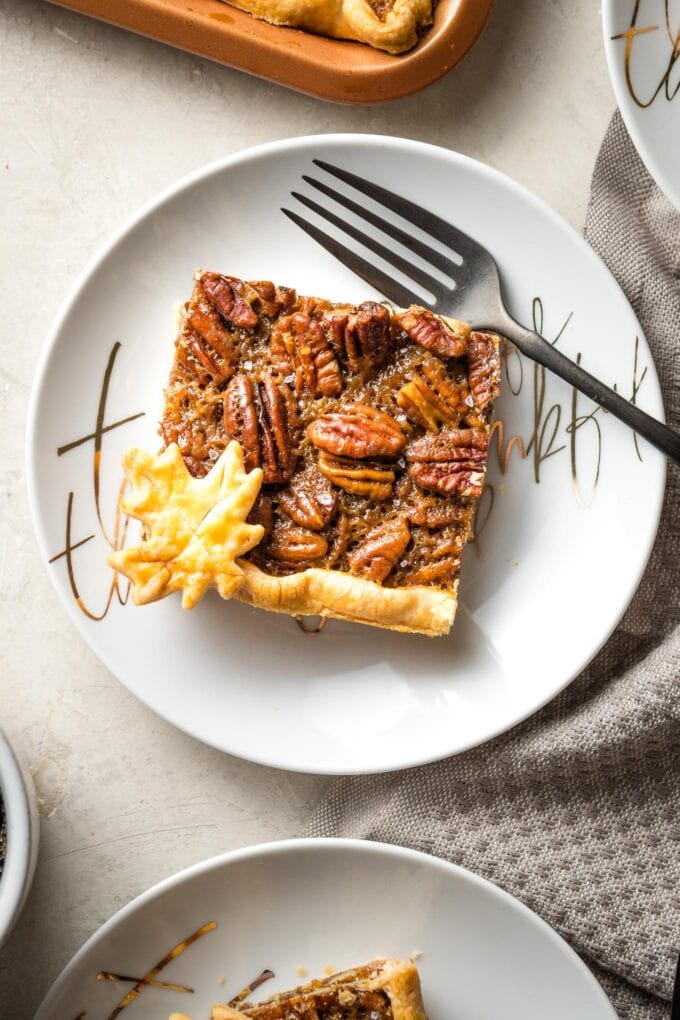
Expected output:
(381, 990)
(320, 459)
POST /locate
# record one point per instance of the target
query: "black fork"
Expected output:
(475, 294)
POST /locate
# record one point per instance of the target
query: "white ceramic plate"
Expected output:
(320, 903)
(557, 560)
(642, 42)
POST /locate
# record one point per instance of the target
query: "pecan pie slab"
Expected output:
(364, 433)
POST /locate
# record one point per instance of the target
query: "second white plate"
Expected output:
(564, 531)
(337, 903)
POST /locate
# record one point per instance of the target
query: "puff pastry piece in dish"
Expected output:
(344, 448)
(391, 25)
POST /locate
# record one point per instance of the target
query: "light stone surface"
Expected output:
(94, 121)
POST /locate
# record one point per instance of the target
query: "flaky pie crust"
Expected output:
(395, 31)
(342, 596)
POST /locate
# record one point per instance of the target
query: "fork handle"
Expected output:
(655, 432)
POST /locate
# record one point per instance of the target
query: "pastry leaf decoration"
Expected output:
(195, 529)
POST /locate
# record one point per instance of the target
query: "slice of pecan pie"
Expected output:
(368, 428)
(381, 990)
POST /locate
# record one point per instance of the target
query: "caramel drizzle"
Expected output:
(148, 978)
(547, 425)
(266, 975)
(311, 628)
(482, 514)
(105, 975)
(503, 452)
(98, 434)
(119, 587)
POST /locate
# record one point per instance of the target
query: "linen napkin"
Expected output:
(577, 811)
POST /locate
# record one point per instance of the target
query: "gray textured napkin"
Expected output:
(577, 811)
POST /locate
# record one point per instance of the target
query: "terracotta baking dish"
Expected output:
(345, 72)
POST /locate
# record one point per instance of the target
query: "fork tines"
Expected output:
(415, 215)
(367, 271)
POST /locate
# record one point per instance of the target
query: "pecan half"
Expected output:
(342, 533)
(363, 338)
(206, 358)
(262, 417)
(278, 456)
(195, 467)
(373, 482)
(205, 347)
(295, 545)
(484, 368)
(451, 461)
(369, 333)
(438, 557)
(269, 299)
(227, 295)
(431, 398)
(241, 418)
(310, 500)
(437, 572)
(429, 331)
(358, 431)
(205, 321)
(299, 344)
(430, 514)
(378, 553)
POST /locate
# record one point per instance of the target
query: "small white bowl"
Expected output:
(23, 831)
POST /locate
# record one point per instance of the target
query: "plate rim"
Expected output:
(18, 799)
(319, 844)
(669, 188)
(130, 223)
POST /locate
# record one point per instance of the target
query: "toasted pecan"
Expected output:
(376, 556)
(262, 417)
(451, 461)
(310, 500)
(358, 431)
(432, 332)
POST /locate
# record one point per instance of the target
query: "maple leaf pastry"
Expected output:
(391, 25)
(381, 990)
(320, 459)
